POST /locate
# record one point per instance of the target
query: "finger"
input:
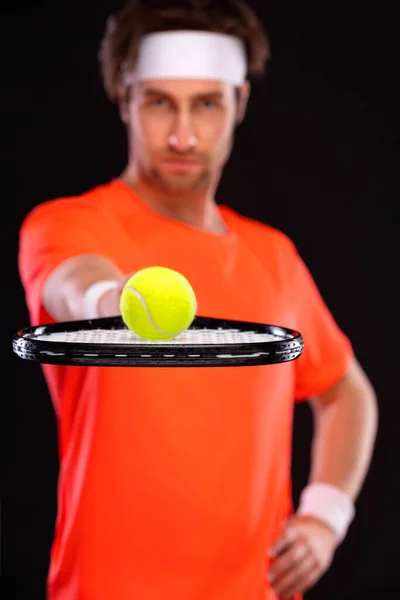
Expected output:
(309, 583)
(295, 580)
(289, 560)
(285, 540)
(312, 578)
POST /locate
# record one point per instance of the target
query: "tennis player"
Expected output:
(175, 484)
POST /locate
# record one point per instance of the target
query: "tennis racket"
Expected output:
(209, 342)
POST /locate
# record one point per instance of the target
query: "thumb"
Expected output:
(285, 539)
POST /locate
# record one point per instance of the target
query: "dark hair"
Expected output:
(125, 29)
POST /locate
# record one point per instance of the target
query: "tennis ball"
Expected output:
(157, 303)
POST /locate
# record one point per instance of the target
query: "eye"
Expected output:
(159, 103)
(208, 104)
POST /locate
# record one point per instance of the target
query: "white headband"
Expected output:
(190, 55)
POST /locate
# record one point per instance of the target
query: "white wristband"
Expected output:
(91, 298)
(330, 504)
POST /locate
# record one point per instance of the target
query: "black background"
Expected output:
(315, 157)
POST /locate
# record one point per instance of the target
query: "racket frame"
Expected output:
(288, 348)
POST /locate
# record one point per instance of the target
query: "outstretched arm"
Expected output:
(85, 286)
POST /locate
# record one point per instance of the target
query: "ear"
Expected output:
(244, 95)
(123, 100)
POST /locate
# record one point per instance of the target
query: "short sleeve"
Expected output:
(50, 234)
(328, 351)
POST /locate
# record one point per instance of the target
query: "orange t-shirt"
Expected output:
(173, 482)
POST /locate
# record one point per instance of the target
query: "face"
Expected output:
(181, 131)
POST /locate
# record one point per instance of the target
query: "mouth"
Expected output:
(181, 165)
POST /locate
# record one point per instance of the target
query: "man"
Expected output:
(175, 483)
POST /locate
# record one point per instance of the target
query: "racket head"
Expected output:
(209, 342)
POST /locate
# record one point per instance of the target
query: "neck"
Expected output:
(196, 209)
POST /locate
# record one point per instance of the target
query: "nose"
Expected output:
(182, 138)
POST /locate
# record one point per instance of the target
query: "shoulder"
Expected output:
(260, 235)
(67, 208)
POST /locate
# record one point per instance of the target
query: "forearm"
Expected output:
(65, 295)
(345, 419)
(345, 425)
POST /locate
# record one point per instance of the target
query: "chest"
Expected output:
(229, 278)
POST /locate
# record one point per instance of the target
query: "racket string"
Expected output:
(194, 337)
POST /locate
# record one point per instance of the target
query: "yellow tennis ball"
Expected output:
(158, 303)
